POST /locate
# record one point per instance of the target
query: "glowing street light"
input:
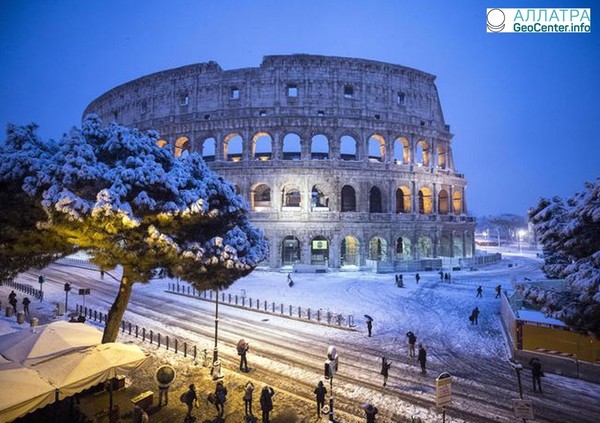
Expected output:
(521, 235)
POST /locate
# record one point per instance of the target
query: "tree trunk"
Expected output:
(115, 314)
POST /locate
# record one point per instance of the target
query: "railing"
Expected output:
(27, 289)
(319, 316)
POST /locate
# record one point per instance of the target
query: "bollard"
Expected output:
(34, 322)
(10, 311)
(20, 317)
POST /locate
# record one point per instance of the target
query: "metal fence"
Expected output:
(27, 289)
(320, 316)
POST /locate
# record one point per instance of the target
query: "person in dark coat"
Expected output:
(369, 326)
(441, 275)
(26, 303)
(12, 300)
(536, 373)
(479, 292)
(422, 357)
(498, 291)
(242, 351)
(220, 397)
(191, 400)
(320, 392)
(370, 412)
(266, 402)
(249, 391)
(412, 339)
(417, 277)
(385, 367)
(474, 316)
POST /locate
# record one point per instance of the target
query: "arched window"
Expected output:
(401, 151)
(422, 153)
(378, 249)
(319, 250)
(443, 203)
(350, 251)
(442, 156)
(182, 145)
(319, 147)
(376, 148)
(318, 199)
(261, 197)
(290, 251)
(445, 246)
(375, 201)
(292, 148)
(403, 200)
(348, 199)
(208, 149)
(232, 148)
(403, 248)
(457, 202)
(292, 197)
(348, 149)
(424, 247)
(425, 203)
(262, 145)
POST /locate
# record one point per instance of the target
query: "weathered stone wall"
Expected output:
(399, 135)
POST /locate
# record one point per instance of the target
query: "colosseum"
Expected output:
(345, 163)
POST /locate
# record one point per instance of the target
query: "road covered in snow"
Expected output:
(289, 354)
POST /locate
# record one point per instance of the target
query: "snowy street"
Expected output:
(289, 354)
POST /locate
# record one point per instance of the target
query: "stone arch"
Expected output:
(262, 146)
(182, 145)
(423, 153)
(401, 151)
(403, 199)
(350, 251)
(445, 246)
(457, 202)
(348, 148)
(233, 147)
(425, 201)
(378, 249)
(291, 196)
(443, 202)
(348, 199)
(375, 200)
(376, 146)
(319, 147)
(209, 148)
(161, 143)
(319, 250)
(260, 197)
(442, 156)
(457, 245)
(319, 197)
(403, 248)
(290, 251)
(291, 147)
(424, 246)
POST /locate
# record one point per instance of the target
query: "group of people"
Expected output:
(12, 300)
(445, 277)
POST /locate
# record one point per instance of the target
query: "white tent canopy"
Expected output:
(57, 360)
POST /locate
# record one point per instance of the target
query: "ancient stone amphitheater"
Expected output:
(345, 163)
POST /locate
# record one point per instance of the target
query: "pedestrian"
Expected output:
(12, 300)
(536, 373)
(370, 412)
(441, 275)
(139, 415)
(385, 367)
(320, 393)
(422, 358)
(266, 402)
(290, 282)
(242, 350)
(397, 280)
(418, 278)
(449, 277)
(163, 393)
(102, 274)
(401, 280)
(412, 339)
(249, 391)
(220, 397)
(498, 291)
(479, 292)
(369, 326)
(474, 316)
(26, 303)
(191, 400)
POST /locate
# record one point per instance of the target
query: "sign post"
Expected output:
(443, 392)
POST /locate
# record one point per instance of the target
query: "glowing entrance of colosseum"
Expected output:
(319, 250)
(423, 153)
(403, 200)
(350, 251)
(443, 204)
(457, 202)
(425, 201)
(378, 250)
(376, 148)
(290, 251)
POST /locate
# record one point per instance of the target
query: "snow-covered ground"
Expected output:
(289, 354)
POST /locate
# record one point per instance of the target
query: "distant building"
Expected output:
(344, 162)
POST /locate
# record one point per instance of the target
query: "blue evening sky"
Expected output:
(523, 107)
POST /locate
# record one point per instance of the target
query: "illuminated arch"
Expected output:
(425, 201)
(161, 143)
(290, 251)
(182, 145)
(457, 202)
(442, 156)
(376, 148)
(401, 151)
(443, 202)
(423, 153)
(233, 147)
(378, 249)
(403, 200)
(350, 251)
(262, 146)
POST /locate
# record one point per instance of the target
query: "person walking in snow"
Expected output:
(369, 326)
(370, 413)
(320, 393)
(12, 300)
(417, 278)
(422, 358)
(248, 392)
(266, 402)
(498, 291)
(290, 282)
(479, 292)
(26, 303)
(220, 397)
(242, 349)
(536, 373)
(385, 368)
(190, 399)
(474, 316)
(412, 339)
(441, 275)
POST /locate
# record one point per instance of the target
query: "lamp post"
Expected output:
(41, 281)
(331, 367)
(521, 234)
(216, 367)
(518, 367)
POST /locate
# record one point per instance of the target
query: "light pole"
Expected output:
(216, 367)
(521, 235)
(518, 367)
(331, 367)
(41, 282)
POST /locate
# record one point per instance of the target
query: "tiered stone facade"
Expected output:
(342, 161)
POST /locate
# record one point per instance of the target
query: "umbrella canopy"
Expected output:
(23, 390)
(368, 317)
(81, 369)
(43, 342)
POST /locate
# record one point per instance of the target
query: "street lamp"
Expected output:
(216, 367)
(331, 367)
(521, 235)
(518, 367)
